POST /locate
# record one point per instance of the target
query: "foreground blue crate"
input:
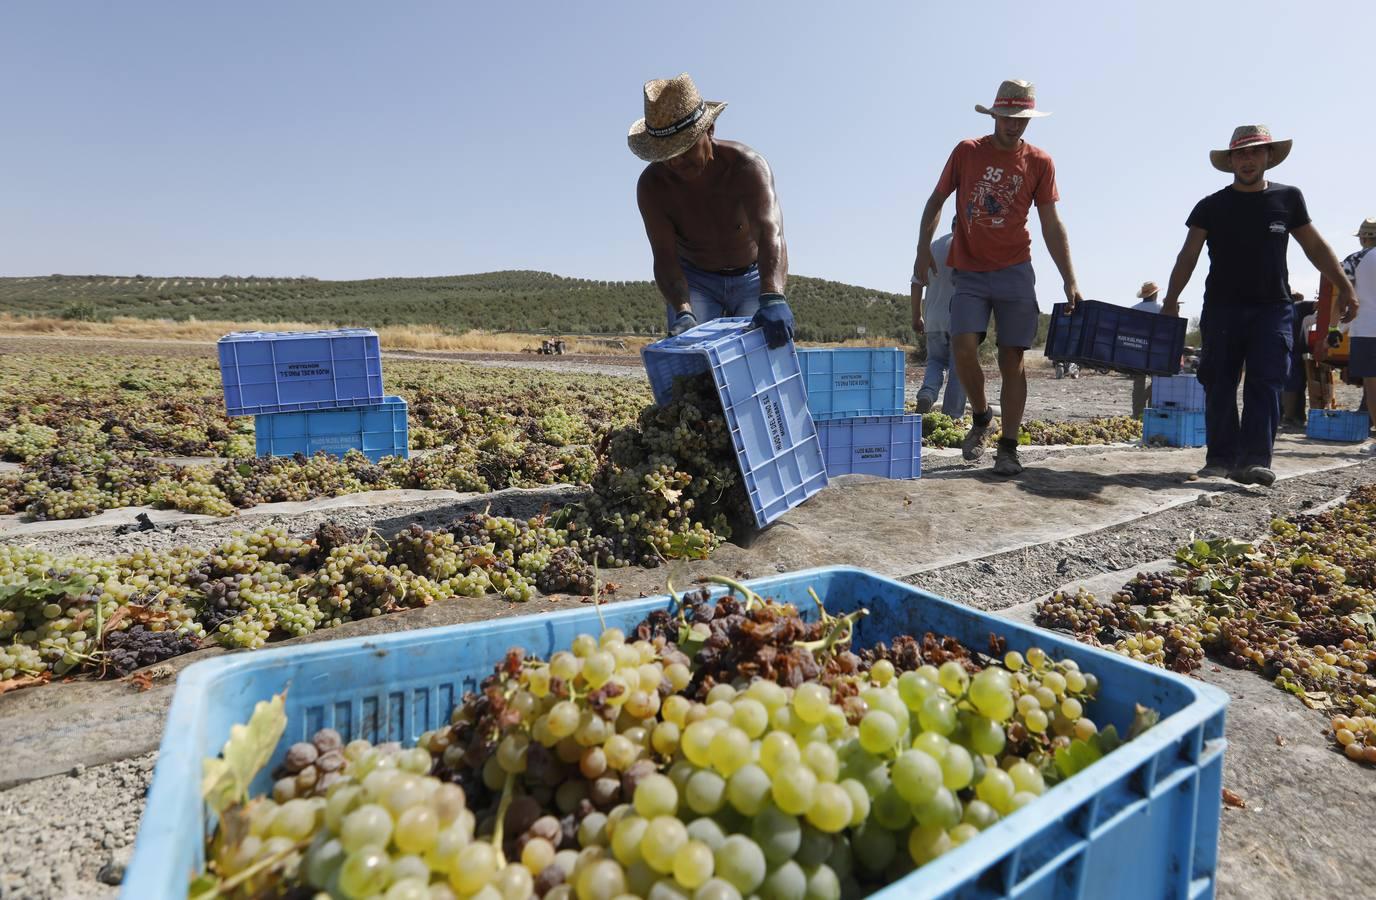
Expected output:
(849, 382)
(762, 393)
(1105, 336)
(1140, 823)
(1338, 425)
(1177, 392)
(293, 371)
(1174, 427)
(886, 446)
(378, 430)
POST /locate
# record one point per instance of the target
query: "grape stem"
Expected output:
(841, 632)
(752, 599)
(501, 815)
(222, 888)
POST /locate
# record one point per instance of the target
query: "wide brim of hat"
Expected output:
(1142, 294)
(654, 149)
(1020, 114)
(1279, 150)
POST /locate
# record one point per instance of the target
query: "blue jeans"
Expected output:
(938, 364)
(714, 295)
(1258, 337)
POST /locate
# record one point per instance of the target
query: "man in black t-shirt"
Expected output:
(1247, 311)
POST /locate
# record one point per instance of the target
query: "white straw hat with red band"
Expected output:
(1015, 100)
(1251, 136)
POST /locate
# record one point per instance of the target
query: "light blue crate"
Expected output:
(1140, 824)
(1344, 425)
(850, 382)
(1174, 427)
(886, 446)
(762, 394)
(294, 371)
(1177, 392)
(376, 431)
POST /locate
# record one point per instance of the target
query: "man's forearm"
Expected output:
(772, 259)
(673, 286)
(1058, 245)
(1326, 261)
(926, 232)
(1180, 276)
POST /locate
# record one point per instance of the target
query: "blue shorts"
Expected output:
(1010, 295)
(714, 294)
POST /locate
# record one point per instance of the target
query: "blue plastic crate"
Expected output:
(377, 430)
(1140, 823)
(762, 392)
(1106, 336)
(1174, 427)
(853, 382)
(1177, 392)
(887, 446)
(292, 371)
(1338, 425)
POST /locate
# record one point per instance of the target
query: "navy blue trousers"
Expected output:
(1259, 338)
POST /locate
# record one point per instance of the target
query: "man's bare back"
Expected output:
(714, 220)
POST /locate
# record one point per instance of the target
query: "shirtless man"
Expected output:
(711, 216)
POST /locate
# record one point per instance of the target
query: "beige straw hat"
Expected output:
(675, 117)
(1366, 229)
(1148, 288)
(1250, 136)
(1015, 100)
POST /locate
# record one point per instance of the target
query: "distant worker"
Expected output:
(1247, 307)
(1141, 390)
(1292, 398)
(932, 317)
(1366, 236)
(997, 179)
(711, 215)
(1361, 360)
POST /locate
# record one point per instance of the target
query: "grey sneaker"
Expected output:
(1253, 475)
(1214, 471)
(972, 446)
(924, 404)
(1006, 460)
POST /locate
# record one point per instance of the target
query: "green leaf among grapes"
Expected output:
(1143, 718)
(1077, 756)
(1367, 621)
(226, 780)
(688, 546)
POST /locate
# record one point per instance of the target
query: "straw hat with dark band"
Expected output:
(1251, 136)
(675, 117)
(1149, 289)
(1015, 100)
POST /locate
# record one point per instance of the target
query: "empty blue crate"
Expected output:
(1177, 392)
(376, 431)
(293, 371)
(1139, 824)
(1106, 336)
(1173, 427)
(761, 391)
(886, 446)
(853, 382)
(1338, 425)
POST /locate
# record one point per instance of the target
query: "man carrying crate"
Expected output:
(998, 178)
(1247, 309)
(710, 213)
(1141, 388)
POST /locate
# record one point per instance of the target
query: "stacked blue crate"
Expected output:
(1338, 425)
(856, 397)
(1177, 392)
(313, 392)
(1174, 427)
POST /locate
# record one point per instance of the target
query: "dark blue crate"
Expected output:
(850, 382)
(1177, 392)
(1174, 427)
(1142, 823)
(886, 446)
(293, 371)
(762, 394)
(1338, 425)
(377, 430)
(1105, 336)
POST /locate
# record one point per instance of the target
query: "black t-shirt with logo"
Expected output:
(1249, 234)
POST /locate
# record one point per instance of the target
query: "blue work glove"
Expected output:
(685, 320)
(775, 318)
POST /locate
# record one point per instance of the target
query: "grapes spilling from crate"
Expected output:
(717, 750)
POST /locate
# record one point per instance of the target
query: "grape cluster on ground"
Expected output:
(1298, 607)
(720, 750)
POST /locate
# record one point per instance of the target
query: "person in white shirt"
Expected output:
(1141, 390)
(1361, 361)
(932, 317)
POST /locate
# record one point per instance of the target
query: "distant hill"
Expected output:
(518, 301)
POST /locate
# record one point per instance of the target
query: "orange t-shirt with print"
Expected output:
(994, 190)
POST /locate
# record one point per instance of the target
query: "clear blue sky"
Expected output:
(349, 139)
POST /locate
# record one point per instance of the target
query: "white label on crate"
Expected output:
(871, 452)
(851, 380)
(774, 422)
(339, 440)
(303, 370)
(1130, 340)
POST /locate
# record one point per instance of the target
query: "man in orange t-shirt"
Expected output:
(997, 179)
